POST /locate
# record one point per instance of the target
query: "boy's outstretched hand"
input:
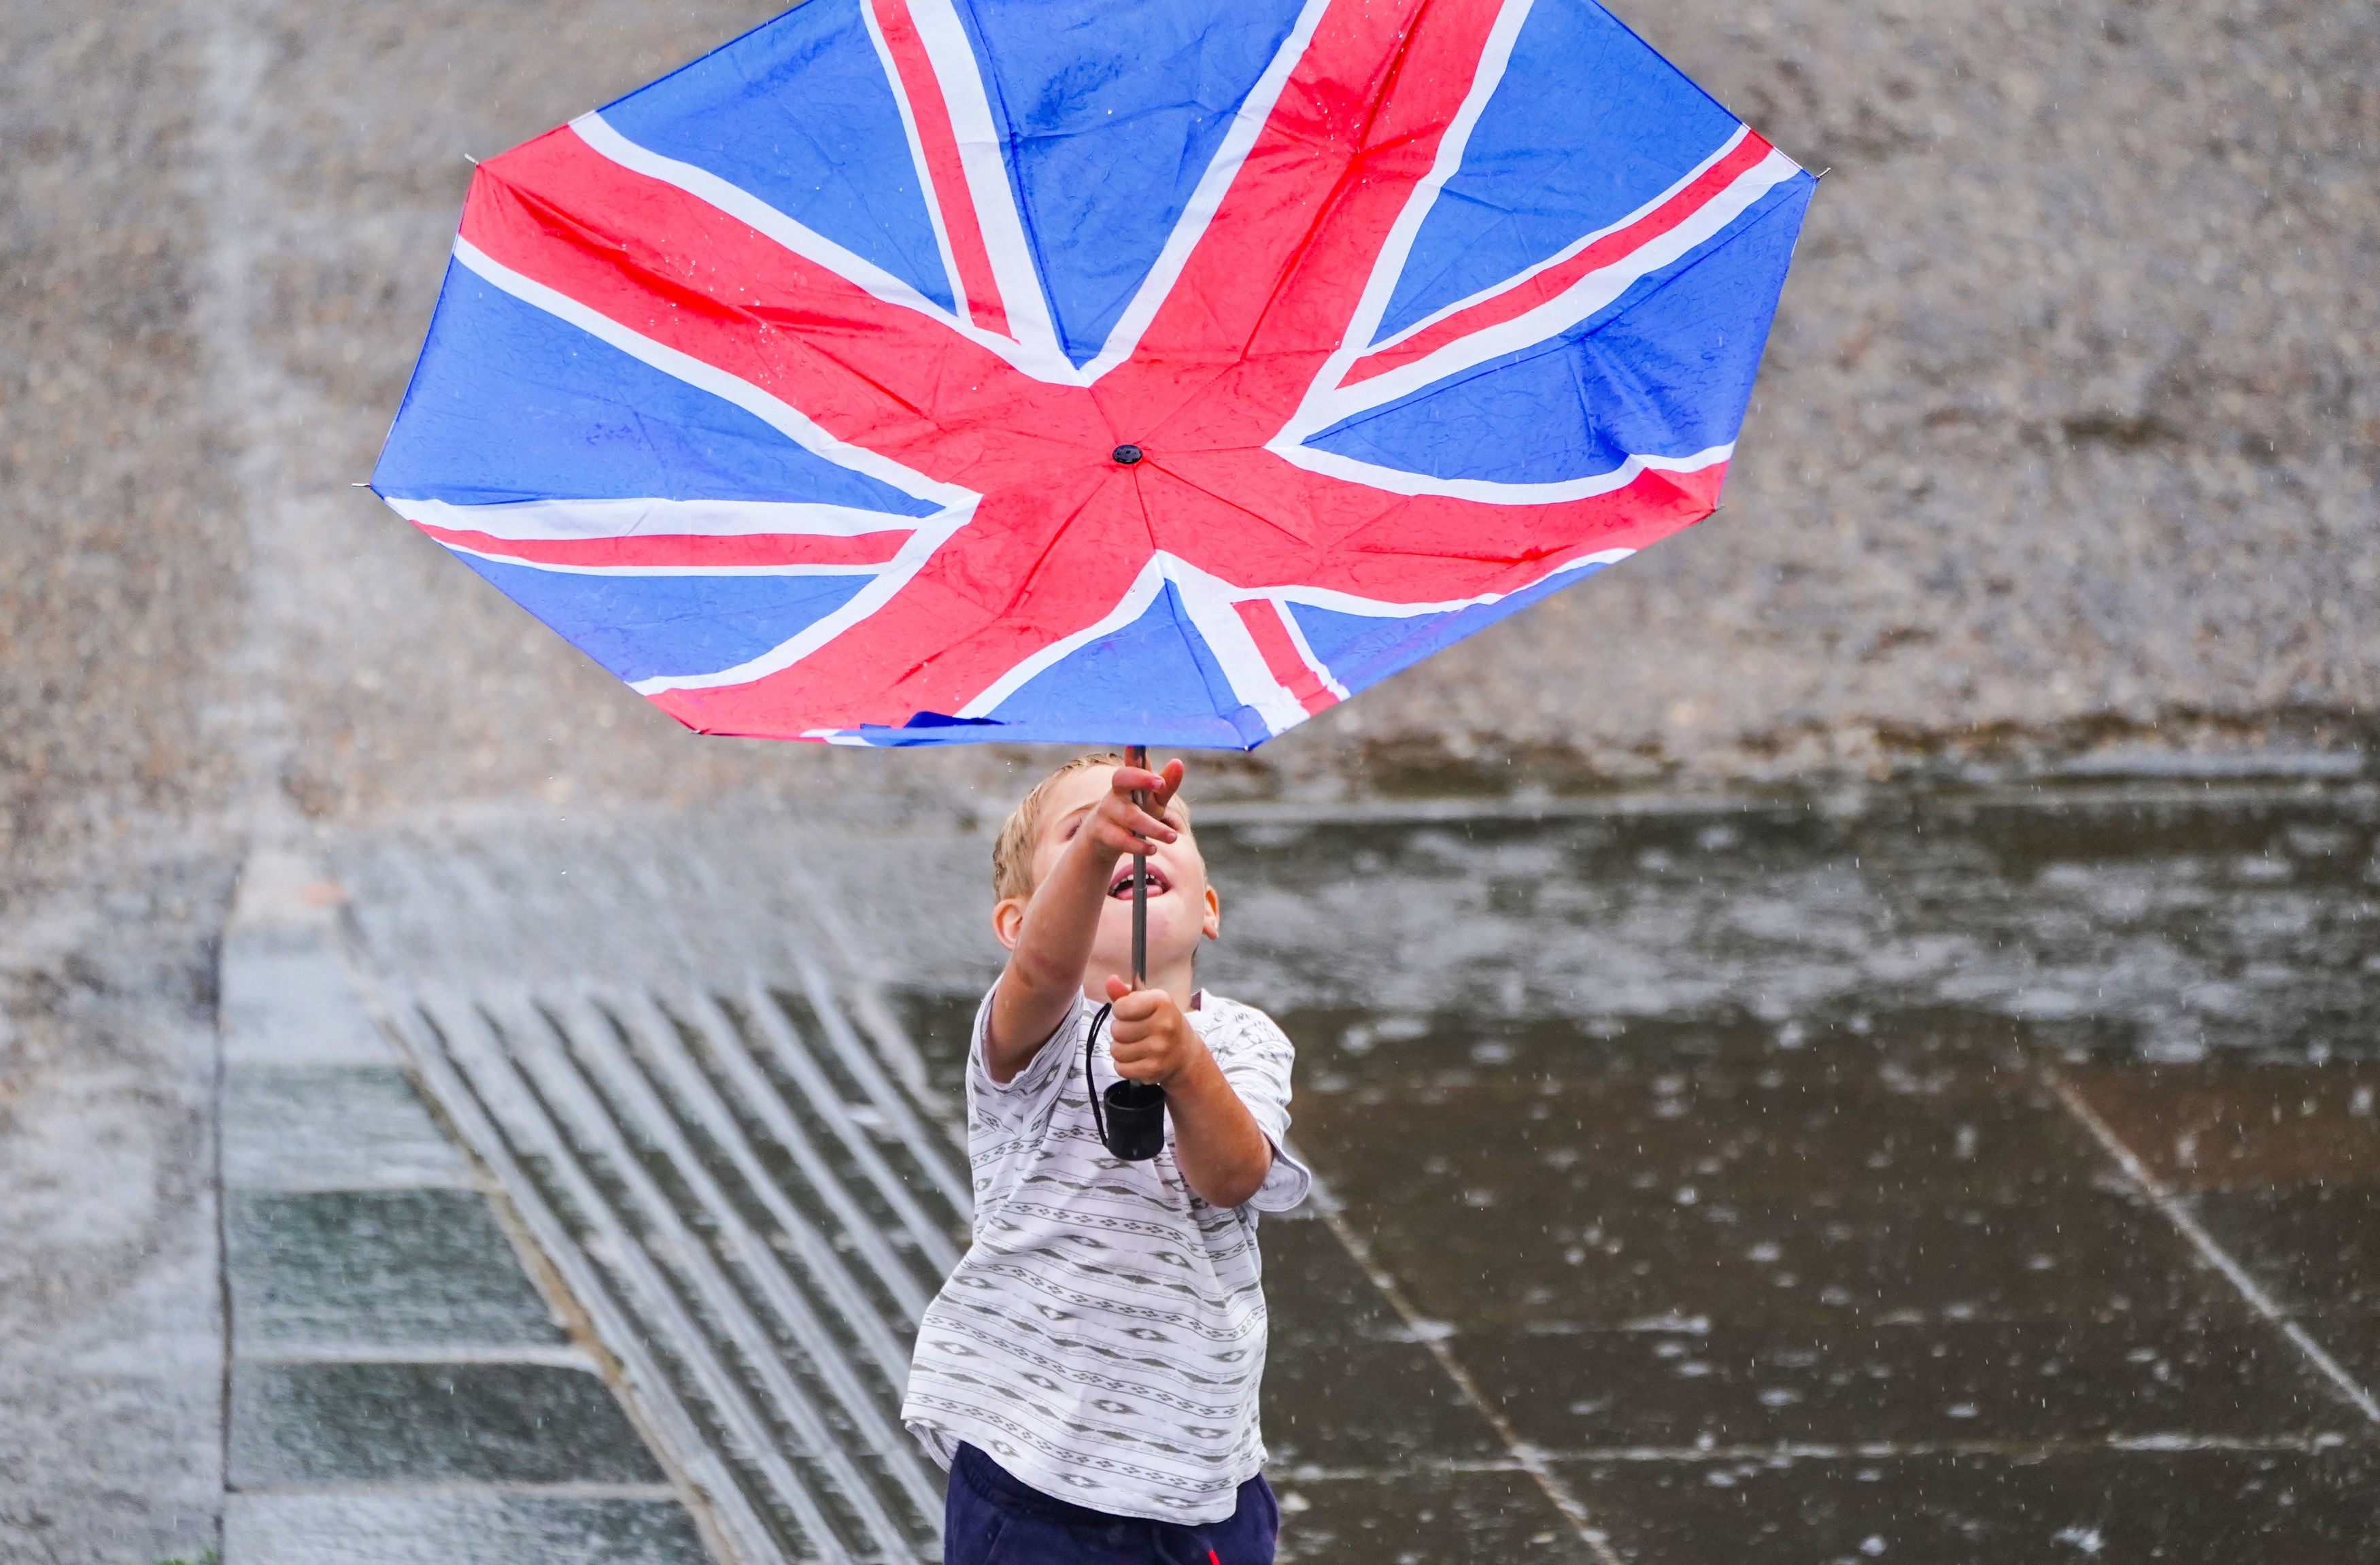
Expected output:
(1120, 826)
(1149, 1038)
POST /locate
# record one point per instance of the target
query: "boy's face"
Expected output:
(1182, 908)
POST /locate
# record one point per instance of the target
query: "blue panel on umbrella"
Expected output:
(1154, 675)
(1543, 169)
(800, 113)
(647, 626)
(510, 403)
(1360, 651)
(1113, 110)
(1666, 371)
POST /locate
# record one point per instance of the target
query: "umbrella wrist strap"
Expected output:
(1090, 1082)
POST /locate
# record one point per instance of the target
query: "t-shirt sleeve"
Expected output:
(1256, 1058)
(1017, 1101)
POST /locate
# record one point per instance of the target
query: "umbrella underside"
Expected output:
(912, 372)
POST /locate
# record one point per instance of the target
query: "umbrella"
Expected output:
(914, 372)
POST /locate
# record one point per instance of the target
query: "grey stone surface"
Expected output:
(111, 1363)
(351, 1129)
(289, 1002)
(427, 1424)
(358, 1269)
(384, 1332)
(457, 1529)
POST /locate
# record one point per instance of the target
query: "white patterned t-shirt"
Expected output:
(1103, 1338)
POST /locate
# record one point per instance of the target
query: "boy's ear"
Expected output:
(1008, 920)
(1212, 925)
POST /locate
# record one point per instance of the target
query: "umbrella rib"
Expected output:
(1187, 482)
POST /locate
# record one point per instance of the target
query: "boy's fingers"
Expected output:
(1135, 833)
(1138, 826)
(1117, 989)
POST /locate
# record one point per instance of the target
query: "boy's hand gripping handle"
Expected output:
(1133, 1128)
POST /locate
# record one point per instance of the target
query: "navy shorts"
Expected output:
(991, 1519)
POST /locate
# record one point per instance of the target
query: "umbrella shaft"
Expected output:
(1136, 756)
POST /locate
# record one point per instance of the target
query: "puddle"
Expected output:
(2162, 929)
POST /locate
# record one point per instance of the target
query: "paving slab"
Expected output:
(2315, 1248)
(1488, 1257)
(459, 1529)
(1833, 1132)
(427, 1424)
(1426, 1518)
(399, 1389)
(290, 1002)
(2005, 1381)
(1800, 1193)
(1347, 1385)
(2239, 1127)
(321, 1270)
(335, 1128)
(2058, 1507)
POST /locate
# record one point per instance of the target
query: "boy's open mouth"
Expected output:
(1122, 885)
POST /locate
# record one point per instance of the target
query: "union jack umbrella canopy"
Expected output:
(1156, 371)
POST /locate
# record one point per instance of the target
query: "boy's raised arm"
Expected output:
(1045, 969)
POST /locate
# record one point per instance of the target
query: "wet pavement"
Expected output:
(1837, 1184)
(401, 1391)
(1938, 1179)
(1918, 1241)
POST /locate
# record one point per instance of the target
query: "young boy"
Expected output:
(1089, 1373)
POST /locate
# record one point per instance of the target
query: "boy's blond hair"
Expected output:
(1012, 852)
